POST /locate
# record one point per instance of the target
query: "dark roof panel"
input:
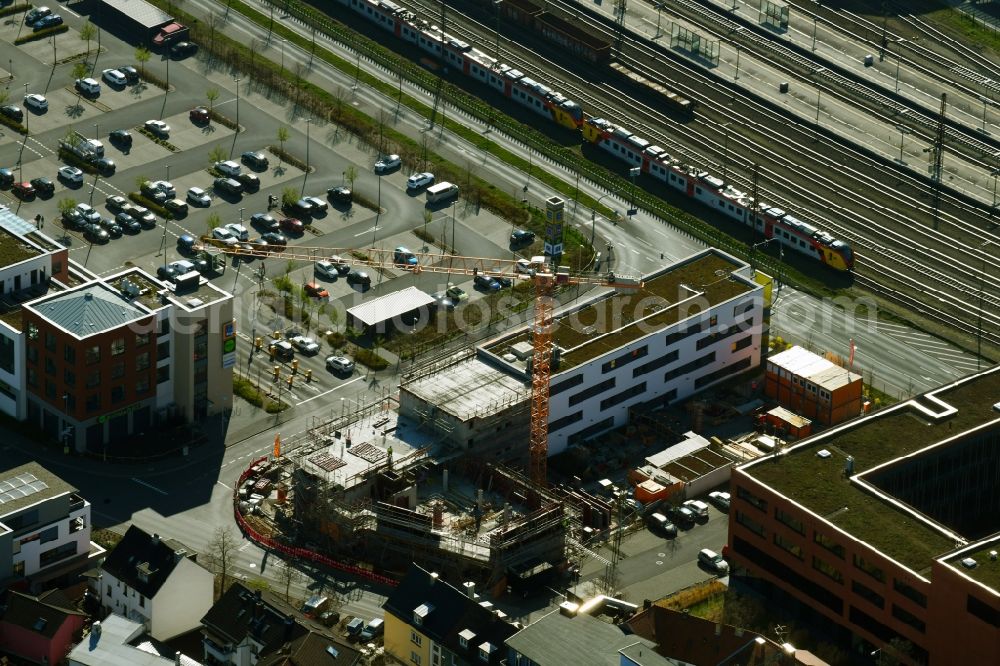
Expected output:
(144, 561)
(141, 12)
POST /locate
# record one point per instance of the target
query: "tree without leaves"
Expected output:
(287, 574)
(350, 174)
(221, 551)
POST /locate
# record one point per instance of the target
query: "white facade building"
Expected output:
(156, 582)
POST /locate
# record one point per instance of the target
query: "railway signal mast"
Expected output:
(938, 149)
(620, 20)
(546, 278)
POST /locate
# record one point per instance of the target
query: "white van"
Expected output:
(441, 191)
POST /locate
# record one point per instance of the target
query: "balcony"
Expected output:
(76, 502)
(221, 653)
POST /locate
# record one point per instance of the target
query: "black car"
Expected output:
(38, 12)
(128, 223)
(339, 195)
(130, 72)
(250, 182)
(302, 208)
(104, 166)
(256, 160)
(167, 273)
(112, 227)
(6, 177)
(183, 49)
(13, 112)
(73, 219)
(228, 185)
(48, 22)
(264, 222)
(96, 233)
(359, 277)
(121, 137)
(274, 239)
(43, 186)
(504, 281)
(520, 237)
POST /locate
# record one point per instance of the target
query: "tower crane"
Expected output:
(544, 276)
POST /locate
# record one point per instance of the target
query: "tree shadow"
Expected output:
(74, 110)
(209, 128)
(279, 170)
(138, 89)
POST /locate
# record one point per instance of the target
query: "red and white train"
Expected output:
(710, 190)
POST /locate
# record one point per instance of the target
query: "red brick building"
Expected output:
(812, 386)
(40, 629)
(887, 525)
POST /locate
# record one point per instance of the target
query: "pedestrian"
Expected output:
(38, 221)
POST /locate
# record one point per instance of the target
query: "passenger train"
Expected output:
(619, 142)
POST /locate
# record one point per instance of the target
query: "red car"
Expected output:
(199, 114)
(315, 290)
(25, 191)
(293, 225)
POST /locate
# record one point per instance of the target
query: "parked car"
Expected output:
(70, 174)
(130, 72)
(293, 225)
(387, 163)
(224, 236)
(720, 499)
(249, 181)
(167, 273)
(116, 203)
(256, 160)
(442, 301)
(12, 111)
(682, 515)
(486, 283)
(112, 227)
(660, 523)
(50, 21)
(713, 561)
(359, 277)
(36, 102)
(698, 508)
(186, 243)
(199, 114)
(343, 268)
(283, 349)
(401, 256)
(89, 214)
(302, 207)
(95, 233)
(143, 215)
(73, 219)
(355, 626)
(519, 237)
(340, 364)
(128, 223)
(88, 86)
(457, 294)
(228, 168)
(114, 78)
(228, 185)
(198, 196)
(418, 180)
(371, 630)
(121, 137)
(158, 128)
(339, 195)
(104, 165)
(38, 12)
(318, 205)
(264, 222)
(275, 239)
(23, 191)
(183, 49)
(305, 345)
(325, 269)
(6, 177)
(160, 186)
(238, 230)
(316, 290)
(43, 186)
(177, 207)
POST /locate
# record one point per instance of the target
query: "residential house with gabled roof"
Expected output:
(157, 582)
(428, 621)
(256, 628)
(42, 629)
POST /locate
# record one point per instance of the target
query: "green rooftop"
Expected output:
(986, 571)
(14, 250)
(819, 484)
(582, 333)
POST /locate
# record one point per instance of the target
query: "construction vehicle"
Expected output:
(544, 276)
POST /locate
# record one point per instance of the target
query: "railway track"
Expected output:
(882, 255)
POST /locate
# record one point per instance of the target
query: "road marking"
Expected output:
(223, 485)
(331, 390)
(151, 487)
(366, 232)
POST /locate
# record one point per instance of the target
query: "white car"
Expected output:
(326, 269)
(241, 232)
(114, 77)
(88, 213)
(158, 127)
(36, 102)
(713, 561)
(719, 499)
(318, 205)
(198, 196)
(224, 235)
(525, 266)
(339, 364)
(70, 174)
(418, 180)
(305, 345)
(164, 186)
(387, 163)
(228, 168)
(182, 266)
(88, 86)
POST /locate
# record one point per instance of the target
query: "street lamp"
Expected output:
(902, 133)
(994, 172)
(168, 173)
(725, 151)
(633, 173)
(986, 101)
(815, 17)
(979, 326)
(282, 40)
(97, 131)
(659, 6)
(237, 79)
(737, 77)
(26, 115)
(593, 215)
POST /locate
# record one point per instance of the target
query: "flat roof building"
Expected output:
(691, 325)
(887, 525)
